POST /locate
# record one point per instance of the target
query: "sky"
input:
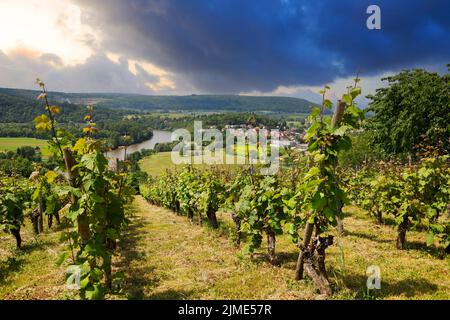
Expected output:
(249, 47)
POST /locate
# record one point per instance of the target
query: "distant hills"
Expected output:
(174, 103)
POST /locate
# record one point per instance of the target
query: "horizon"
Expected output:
(158, 95)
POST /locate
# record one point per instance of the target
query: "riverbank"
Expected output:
(159, 136)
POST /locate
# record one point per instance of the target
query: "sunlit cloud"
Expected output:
(46, 26)
(134, 66)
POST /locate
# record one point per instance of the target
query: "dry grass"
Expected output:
(31, 273)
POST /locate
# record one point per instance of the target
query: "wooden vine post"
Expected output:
(82, 219)
(337, 117)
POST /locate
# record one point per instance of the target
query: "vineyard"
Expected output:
(312, 197)
(312, 208)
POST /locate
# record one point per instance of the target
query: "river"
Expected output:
(158, 137)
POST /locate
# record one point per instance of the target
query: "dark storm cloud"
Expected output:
(237, 45)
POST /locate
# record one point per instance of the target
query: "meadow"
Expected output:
(158, 163)
(11, 144)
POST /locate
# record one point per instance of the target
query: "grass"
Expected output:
(31, 273)
(163, 256)
(11, 144)
(157, 163)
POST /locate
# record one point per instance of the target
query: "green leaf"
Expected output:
(89, 160)
(74, 213)
(341, 131)
(315, 111)
(314, 171)
(355, 92)
(312, 131)
(430, 239)
(84, 282)
(95, 293)
(62, 258)
(51, 176)
(347, 99)
(318, 201)
(327, 104)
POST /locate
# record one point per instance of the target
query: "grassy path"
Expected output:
(164, 257)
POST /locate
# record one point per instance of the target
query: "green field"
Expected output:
(156, 164)
(11, 144)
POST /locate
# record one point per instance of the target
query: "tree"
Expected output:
(414, 105)
(29, 153)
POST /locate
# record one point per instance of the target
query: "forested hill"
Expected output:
(176, 103)
(18, 108)
(210, 103)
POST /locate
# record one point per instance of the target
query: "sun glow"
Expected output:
(30, 27)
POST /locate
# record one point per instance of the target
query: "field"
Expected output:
(11, 144)
(156, 164)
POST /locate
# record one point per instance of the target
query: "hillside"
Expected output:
(23, 108)
(175, 103)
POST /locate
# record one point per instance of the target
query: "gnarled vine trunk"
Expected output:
(401, 237)
(237, 224)
(16, 234)
(271, 244)
(177, 207)
(212, 218)
(301, 256)
(41, 210)
(34, 217)
(111, 245)
(340, 225)
(379, 216)
(314, 264)
(199, 218)
(50, 221)
(82, 219)
(190, 215)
